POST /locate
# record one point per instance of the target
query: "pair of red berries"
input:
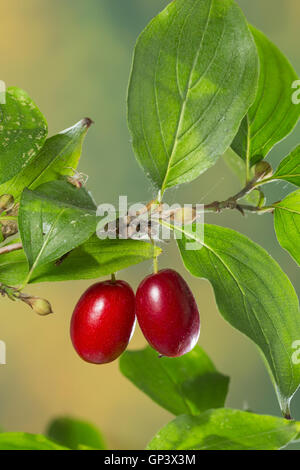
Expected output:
(104, 318)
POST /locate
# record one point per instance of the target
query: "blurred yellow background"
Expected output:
(74, 58)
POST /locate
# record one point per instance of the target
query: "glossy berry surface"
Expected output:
(103, 321)
(167, 313)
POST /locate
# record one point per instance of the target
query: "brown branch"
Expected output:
(157, 210)
(10, 248)
(232, 202)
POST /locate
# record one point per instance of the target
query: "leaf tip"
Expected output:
(87, 122)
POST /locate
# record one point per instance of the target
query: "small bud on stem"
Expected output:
(184, 216)
(263, 170)
(40, 306)
(13, 212)
(8, 228)
(6, 202)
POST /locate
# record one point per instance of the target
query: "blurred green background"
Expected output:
(74, 59)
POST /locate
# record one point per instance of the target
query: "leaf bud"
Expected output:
(263, 170)
(6, 202)
(40, 306)
(184, 216)
(8, 228)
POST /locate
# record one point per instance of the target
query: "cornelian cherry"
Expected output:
(167, 313)
(103, 321)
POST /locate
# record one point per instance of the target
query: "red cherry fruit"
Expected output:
(167, 313)
(103, 321)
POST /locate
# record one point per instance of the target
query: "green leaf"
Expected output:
(91, 260)
(23, 130)
(24, 441)
(253, 295)
(289, 168)
(226, 429)
(273, 115)
(287, 224)
(13, 266)
(53, 220)
(194, 76)
(59, 154)
(75, 434)
(188, 384)
(96, 258)
(83, 447)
